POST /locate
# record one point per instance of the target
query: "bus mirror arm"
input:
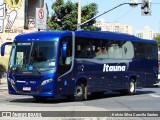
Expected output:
(64, 49)
(3, 47)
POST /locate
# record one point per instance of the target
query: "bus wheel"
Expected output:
(40, 98)
(79, 92)
(132, 87)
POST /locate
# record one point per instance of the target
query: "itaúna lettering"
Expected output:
(107, 68)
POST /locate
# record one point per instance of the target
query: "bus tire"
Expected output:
(40, 99)
(79, 94)
(131, 87)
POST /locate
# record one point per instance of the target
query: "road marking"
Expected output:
(153, 95)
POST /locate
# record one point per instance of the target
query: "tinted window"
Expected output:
(113, 49)
(83, 48)
(148, 51)
(155, 51)
(103, 49)
(139, 49)
(145, 51)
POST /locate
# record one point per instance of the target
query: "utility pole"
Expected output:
(79, 15)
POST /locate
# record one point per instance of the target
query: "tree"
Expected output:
(158, 40)
(65, 16)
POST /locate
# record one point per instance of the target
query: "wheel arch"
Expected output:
(81, 80)
(133, 77)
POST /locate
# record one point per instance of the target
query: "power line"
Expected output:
(78, 26)
(126, 13)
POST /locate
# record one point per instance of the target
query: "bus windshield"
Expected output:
(33, 56)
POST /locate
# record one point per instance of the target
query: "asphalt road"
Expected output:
(146, 99)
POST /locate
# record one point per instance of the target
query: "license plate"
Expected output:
(26, 88)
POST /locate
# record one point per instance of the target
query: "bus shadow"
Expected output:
(144, 92)
(55, 100)
(117, 94)
(60, 99)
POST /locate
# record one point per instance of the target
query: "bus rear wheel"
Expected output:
(132, 87)
(131, 90)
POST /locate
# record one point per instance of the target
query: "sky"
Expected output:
(125, 14)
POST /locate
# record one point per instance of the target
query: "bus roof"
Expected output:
(56, 35)
(112, 36)
(42, 36)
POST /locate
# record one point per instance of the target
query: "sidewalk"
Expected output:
(3, 84)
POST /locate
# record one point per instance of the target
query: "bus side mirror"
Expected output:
(64, 49)
(3, 47)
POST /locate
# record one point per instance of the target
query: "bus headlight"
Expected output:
(11, 80)
(46, 81)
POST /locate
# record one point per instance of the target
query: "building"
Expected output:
(17, 17)
(146, 33)
(116, 27)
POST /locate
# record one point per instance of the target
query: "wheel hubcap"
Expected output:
(78, 91)
(131, 87)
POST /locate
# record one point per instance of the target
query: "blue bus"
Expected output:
(73, 64)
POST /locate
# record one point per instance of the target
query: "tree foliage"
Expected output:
(65, 16)
(158, 39)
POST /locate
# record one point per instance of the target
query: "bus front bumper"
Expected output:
(44, 89)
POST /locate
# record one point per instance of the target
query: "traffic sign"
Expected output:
(41, 18)
(41, 14)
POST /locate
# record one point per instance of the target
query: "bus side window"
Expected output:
(127, 50)
(148, 51)
(100, 49)
(115, 49)
(83, 48)
(151, 51)
(139, 49)
(78, 52)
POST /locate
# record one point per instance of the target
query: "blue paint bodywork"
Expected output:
(145, 71)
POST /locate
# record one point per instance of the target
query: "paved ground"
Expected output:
(3, 86)
(147, 99)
